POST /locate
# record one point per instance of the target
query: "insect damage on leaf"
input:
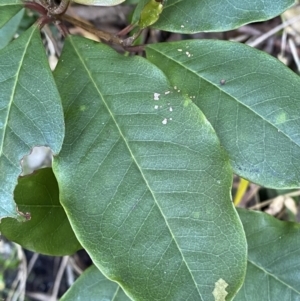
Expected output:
(24, 216)
(220, 290)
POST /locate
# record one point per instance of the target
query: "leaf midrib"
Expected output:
(231, 96)
(273, 276)
(135, 161)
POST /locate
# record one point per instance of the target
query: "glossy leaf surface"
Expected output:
(93, 286)
(251, 99)
(143, 179)
(190, 16)
(273, 258)
(30, 110)
(48, 231)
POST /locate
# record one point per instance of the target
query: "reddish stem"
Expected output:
(37, 7)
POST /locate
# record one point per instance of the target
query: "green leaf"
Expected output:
(191, 16)
(9, 8)
(273, 258)
(30, 110)
(150, 13)
(137, 12)
(93, 286)
(143, 179)
(8, 31)
(251, 100)
(48, 231)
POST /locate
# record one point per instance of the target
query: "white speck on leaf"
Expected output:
(179, 50)
(182, 26)
(156, 96)
(165, 121)
(175, 87)
(167, 92)
(156, 107)
(171, 109)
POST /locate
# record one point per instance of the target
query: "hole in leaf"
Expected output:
(39, 157)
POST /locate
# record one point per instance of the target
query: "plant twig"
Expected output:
(58, 278)
(19, 284)
(273, 31)
(75, 266)
(32, 262)
(102, 35)
(265, 203)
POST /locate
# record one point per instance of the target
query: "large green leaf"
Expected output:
(273, 271)
(8, 31)
(48, 231)
(143, 179)
(30, 110)
(251, 99)
(191, 16)
(93, 286)
(9, 8)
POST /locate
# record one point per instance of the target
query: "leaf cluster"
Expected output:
(144, 154)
